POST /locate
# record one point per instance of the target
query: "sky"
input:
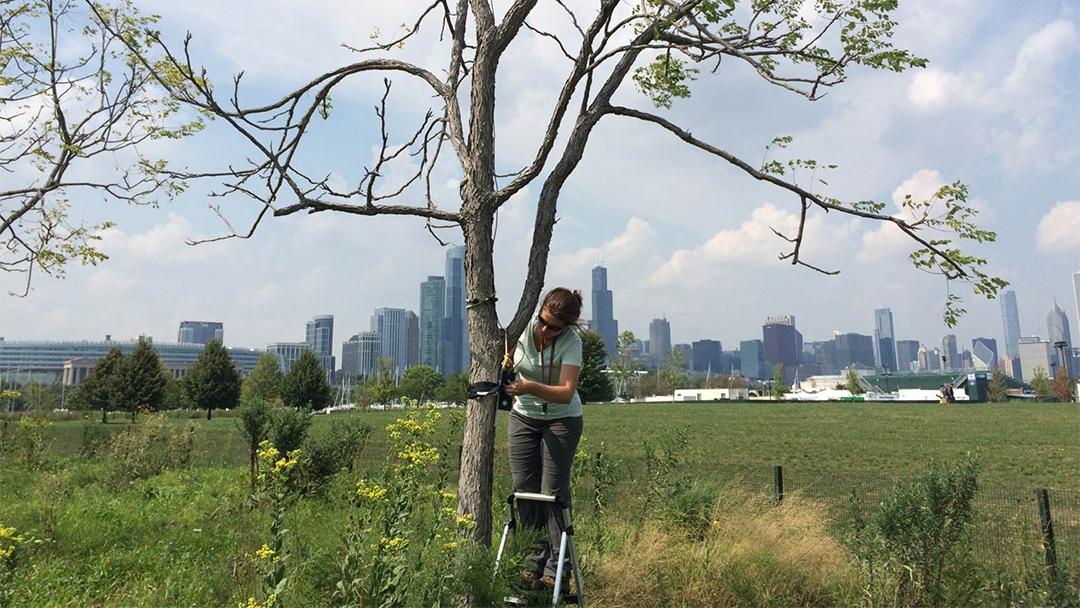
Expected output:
(683, 234)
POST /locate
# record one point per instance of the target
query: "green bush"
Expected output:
(289, 428)
(915, 550)
(340, 449)
(149, 447)
(28, 440)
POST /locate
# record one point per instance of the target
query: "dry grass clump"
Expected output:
(750, 553)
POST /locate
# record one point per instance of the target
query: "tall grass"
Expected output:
(752, 553)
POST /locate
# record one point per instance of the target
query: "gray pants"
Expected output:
(541, 456)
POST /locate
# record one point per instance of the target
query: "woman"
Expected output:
(545, 424)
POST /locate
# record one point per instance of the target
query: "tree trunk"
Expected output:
(486, 342)
(104, 415)
(208, 410)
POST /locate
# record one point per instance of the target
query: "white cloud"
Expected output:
(161, 243)
(635, 244)
(108, 281)
(1026, 108)
(753, 242)
(1059, 229)
(933, 89)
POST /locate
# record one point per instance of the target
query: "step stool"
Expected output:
(560, 510)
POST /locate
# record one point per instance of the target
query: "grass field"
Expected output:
(183, 537)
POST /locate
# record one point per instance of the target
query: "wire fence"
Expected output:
(1008, 528)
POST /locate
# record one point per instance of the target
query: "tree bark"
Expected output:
(486, 342)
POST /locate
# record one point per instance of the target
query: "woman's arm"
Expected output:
(563, 392)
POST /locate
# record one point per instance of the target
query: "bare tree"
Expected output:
(71, 91)
(658, 44)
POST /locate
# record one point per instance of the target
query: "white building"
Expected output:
(1036, 353)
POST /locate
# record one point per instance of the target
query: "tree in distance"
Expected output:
(852, 385)
(420, 382)
(594, 384)
(673, 375)
(100, 390)
(995, 390)
(779, 388)
(658, 46)
(1041, 383)
(1064, 386)
(265, 380)
(213, 382)
(623, 365)
(142, 379)
(454, 390)
(305, 386)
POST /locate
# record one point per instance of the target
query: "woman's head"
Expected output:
(562, 305)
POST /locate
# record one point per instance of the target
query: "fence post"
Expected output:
(778, 483)
(1047, 525)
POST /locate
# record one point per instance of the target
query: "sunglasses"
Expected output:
(554, 329)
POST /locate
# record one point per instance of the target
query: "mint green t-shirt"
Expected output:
(527, 364)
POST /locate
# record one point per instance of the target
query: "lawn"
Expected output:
(185, 537)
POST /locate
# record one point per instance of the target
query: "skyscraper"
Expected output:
(854, 350)
(1036, 354)
(393, 329)
(603, 320)
(752, 358)
(1057, 326)
(1076, 293)
(884, 340)
(200, 332)
(705, 356)
(360, 355)
(454, 335)
(412, 339)
(1010, 318)
(287, 353)
(951, 353)
(659, 341)
(907, 355)
(432, 312)
(783, 344)
(984, 354)
(320, 337)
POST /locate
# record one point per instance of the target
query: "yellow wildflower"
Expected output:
(264, 552)
(267, 452)
(392, 544)
(468, 520)
(454, 544)
(419, 454)
(370, 491)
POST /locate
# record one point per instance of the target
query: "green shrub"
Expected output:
(149, 447)
(915, 550)
(255, 419)
(289, 428)
(28, 440)
(339, 449)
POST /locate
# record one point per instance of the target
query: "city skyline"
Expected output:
(678, 231)
(319, 331)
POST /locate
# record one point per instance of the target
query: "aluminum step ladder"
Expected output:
(560, 510)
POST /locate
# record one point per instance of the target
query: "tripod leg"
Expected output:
(557, 594)
(573, 554)
(502, 546)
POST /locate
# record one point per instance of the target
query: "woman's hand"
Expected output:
(521, 387)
